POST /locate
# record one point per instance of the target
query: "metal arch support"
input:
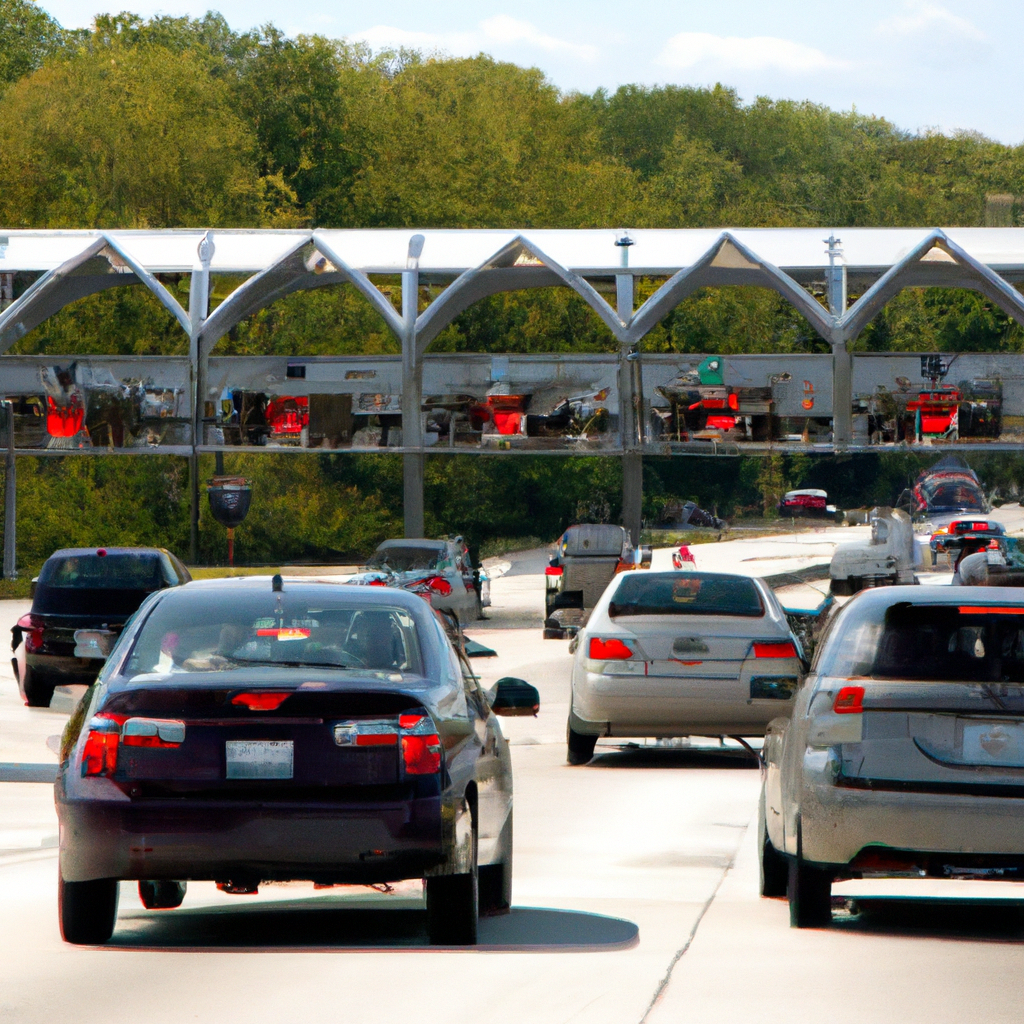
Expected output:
(104, 263)
(906, 272)
(727, 260)
(507, 270)
(310, 263)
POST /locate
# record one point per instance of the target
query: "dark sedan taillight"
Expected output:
(31, 626)
(421, 746)
(99, 755)
(108, 732)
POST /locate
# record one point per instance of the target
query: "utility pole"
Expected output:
(198, 309)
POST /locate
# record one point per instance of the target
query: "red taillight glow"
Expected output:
(849, 701)
(152, 732)
(421, 754)
(409, 721)
(990, 609)
(99, 754)
(285, 633)
(32, 625)
(376, 739)
(260, 701)
(775, 649)
(553, 570)
(608, 650)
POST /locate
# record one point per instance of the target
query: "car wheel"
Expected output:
(88, 910)
(161, 894)
(38, 693)
(495, 880)
(580, 747)
(774, 870)
(810, 895)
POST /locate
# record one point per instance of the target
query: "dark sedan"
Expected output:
(82, 588)
(250, 730)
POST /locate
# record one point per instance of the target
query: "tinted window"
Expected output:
(105, 572)
(945, 643)
(405, 559)
(686, 593)
(204, 632)
(99, 585)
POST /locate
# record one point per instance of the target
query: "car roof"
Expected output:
(931, 594)
(80, 552)
(307, 588)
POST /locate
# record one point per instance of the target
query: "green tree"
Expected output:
(28, 37)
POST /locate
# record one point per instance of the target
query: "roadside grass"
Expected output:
(18, 589)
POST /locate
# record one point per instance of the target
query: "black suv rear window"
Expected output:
(106, 572)
(686, 593)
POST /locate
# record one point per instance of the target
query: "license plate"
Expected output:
(260, 759)
(997, 743)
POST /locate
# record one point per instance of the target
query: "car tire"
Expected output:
(38, 693)
(495, 880)
(87, 910)
(580, 747)
(809, 890)
(162, 894)
(774, 871)
(453, 909)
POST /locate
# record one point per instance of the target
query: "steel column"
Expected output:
(630, 416)
(198, 310)
(842, 397)
(412, 396)
(10, 498)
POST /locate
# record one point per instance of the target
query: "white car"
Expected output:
(681, 654)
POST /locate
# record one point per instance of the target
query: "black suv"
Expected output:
(82, 588)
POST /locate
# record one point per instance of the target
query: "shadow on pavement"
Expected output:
(993, 920)
(321, 923)
(669, 757)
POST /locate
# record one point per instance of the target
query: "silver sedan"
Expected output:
(904, 754)
(681, 654)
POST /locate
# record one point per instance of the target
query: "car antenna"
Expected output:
(277, 584)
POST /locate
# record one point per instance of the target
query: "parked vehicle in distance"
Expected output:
(585, 561)
(82, 588)
(810, 502)
(904, 750)
(285, 729)
(973, 532)
(681, 654)
(444, 566)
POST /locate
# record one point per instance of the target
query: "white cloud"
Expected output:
(499, 31)
(754, 53)
(502, 28)
(923, 17)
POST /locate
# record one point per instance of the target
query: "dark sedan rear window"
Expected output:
(686, 593)
(944, 643)
(197, 631)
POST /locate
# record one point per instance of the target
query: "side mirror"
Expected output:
(94, 643)
(515, 697)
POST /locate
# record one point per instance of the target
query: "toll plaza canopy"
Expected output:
(627, 402)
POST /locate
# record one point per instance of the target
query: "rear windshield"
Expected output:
(944, 643)
(203, 632)
(99, 585)
(405, 559)
(686, 593)
(106, 572)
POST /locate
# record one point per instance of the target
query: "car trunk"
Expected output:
(303, 747)
(946, 737)
(65, 609)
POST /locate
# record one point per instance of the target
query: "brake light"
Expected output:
(261, 701)
(152, 732)
(409, 721)
(421, 754)
(849, 701)
(553, 570)
(376, 739)
(774, 649)
(980, 526)
(990, 609)
(608, 650)
(99, 754)
(285, 633)
(32, 627)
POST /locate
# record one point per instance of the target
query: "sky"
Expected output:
(922, 64)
